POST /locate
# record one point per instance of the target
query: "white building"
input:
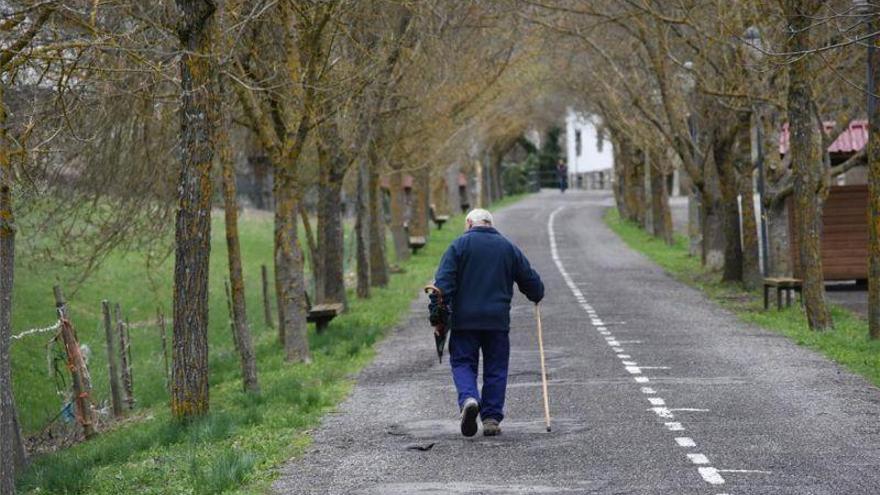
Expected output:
(589, 153)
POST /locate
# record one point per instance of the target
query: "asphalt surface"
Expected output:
(653, 389)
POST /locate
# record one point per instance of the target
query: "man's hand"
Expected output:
(439, 329)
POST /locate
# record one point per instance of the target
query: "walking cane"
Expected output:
(543, 367)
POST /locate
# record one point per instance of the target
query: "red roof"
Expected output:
(851, 140)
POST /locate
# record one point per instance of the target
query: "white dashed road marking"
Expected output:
(685, 442)
(709, 474)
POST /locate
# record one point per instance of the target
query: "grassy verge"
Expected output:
(847, 344)
(236, 448)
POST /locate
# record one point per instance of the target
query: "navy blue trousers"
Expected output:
(464, 357)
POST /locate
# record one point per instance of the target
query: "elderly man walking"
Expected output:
(476, 276)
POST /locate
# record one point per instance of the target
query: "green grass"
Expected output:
(239, 445)
(847, 344)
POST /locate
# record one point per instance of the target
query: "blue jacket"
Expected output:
(476, 275)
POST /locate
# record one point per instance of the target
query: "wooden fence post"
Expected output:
(129, 362)
(82, 388)
(267, 310)
(115, 397)
(160, 321)
(124, 359)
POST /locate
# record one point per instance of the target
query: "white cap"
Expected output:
(480, 218)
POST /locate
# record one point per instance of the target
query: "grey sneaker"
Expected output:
(469, 412)
(491, 427)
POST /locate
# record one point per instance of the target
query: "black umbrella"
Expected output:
(439, 315)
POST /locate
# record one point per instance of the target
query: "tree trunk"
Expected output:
(361, 229)
(779, 261)
(778, 223)
(695, 232)
(20, 458)
(398, 233)
(440, 195)
(648, 200)
(479, 184)
(723, 154)
(378, 263)
(290, 287)
(330, 278)
(807, 164)
(874, 188)
(495, 174)
(198, 111)
(620, 184)
(662, 220)
(233, 248)
(267, 310)
(733, 254)
(751, 266)
(713, 234)
(418, 225)
(8, 425)
(635, 184)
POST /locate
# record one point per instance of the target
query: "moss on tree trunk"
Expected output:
(198, 113)
(807, 163)
(233, 249)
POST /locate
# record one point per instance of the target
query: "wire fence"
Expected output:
(35, 331)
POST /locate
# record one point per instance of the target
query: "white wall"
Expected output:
(591, 158)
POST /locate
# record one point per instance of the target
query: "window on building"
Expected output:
(577, 143)
(600, 139)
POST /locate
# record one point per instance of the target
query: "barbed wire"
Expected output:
(34, 331)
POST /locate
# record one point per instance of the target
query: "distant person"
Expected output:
(476, 277)
(562, 175)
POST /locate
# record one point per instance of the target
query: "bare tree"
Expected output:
(241, 326)
(198, 128)
(810, 184)
(25, 26)
(874, 184)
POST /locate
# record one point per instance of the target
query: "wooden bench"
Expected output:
(322, 314)
(416, 243)
(440, 220)
(781, 284)
(437, 219)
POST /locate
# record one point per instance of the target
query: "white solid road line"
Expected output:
(709, 474)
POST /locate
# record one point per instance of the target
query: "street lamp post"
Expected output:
(753, 39)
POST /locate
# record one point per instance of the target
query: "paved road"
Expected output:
(653, 388)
